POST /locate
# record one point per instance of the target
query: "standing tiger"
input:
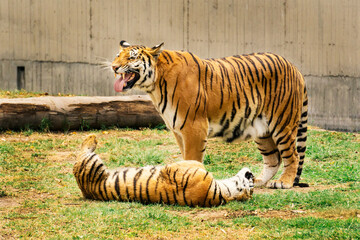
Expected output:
(182, 183)
(260, 96)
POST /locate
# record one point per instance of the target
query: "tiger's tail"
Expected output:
(301, 140)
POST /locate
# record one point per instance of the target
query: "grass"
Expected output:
(25, 94)
(39, 197)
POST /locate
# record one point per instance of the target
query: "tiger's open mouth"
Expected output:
(126, 80)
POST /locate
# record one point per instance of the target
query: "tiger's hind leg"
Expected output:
(271, 157)
(286, 143)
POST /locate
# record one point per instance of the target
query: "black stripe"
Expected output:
(140, 194)
(101, 192)
(222, 74)
(280, 139)
(285, 150)
(157, 182)
(207, 192)
(168, 55)
(184, 189)
(127, 193)
(176, 184)
(264, 137)
(225, 127)
(152, 170)
(124, 174)
(195, 172)
(301, 149)
(165, 97)
(241, 70)
(233, 112)
(205, 76)
(275, 70)
(302, 130)
(280, 62)
(105, 191)
(160, 199)
(173, 94)
(286, 157)
(211, 76)
(83, 164)
(185, 119)
(113, 197)
(136, 178)
(299, 171)
(145, 78)
(251, 75)
(302, 139)
(256, 69)
(167, 61)
(280, 118)
(260, 61)
(183, 177)
(269, 153)
(161, 93)
(89, 173)
(215, 190)
(207, 173)
(117, 187)
(259, 103)
(269, 66)
(176, 111)
(167, 197)
(197, 108)
(222, 95)
(284, 90)
(97, 183)
(305, 103)
(199, 80)
(237, 132)
(223, 119)
(224, 69)
(247, 109)
(174, 195)
(97, 169)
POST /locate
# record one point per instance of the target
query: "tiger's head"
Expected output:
(134, 66)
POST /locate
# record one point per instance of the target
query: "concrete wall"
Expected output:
(60, 45)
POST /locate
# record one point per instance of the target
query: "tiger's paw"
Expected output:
(278, 184)
(259, 182)
(246, 182)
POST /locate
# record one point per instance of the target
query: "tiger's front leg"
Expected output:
(192, 140)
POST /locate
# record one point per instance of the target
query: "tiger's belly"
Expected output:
(241, 130)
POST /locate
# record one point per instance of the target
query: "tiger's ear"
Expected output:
(156, 50)
(124, 44)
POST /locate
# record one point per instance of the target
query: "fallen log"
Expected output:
(67, 113)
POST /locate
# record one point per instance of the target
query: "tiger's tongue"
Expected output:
(120, 82)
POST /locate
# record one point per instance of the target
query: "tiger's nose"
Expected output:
(115, 68)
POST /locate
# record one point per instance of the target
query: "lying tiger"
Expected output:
(182, 183)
